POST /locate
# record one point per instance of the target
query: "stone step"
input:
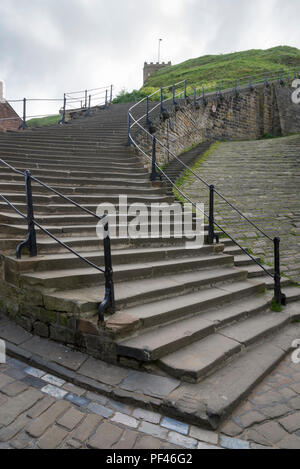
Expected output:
(154, 344)
(159, 230)
(85, 200)
(81, 218)
(64, 279)
(195, 361)
(96, 170)
(242, 260)
(292, 292)
(210, 289)
(214, 398)
(119, 256)
(163, 299)
(89, 243)
(102, 188)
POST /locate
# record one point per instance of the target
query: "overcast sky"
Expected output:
(51, 46)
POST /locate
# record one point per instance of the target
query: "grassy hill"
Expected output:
(211, 71)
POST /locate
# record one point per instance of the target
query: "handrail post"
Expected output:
(147, 110)
(161, 100)
(129, 128)
(154, 173)
(106, 98)
(173, 95)
(30, 241)
(109, 301)
(63, 117)
(89, 107)
(85, 98)
(23, 125)
(211, 229)
(111, 93)
(279, 297)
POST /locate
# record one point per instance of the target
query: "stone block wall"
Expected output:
(248, 114)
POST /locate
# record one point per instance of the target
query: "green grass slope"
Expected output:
(212, 70)
(41, 121)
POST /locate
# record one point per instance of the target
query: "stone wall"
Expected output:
(247, 114)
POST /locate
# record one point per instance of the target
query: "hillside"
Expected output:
(212, 70)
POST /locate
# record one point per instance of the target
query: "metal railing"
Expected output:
(135, 122)
(108, 304)
(81, 101)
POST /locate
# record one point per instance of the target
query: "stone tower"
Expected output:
(153, 67)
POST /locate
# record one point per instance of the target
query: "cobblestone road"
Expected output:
(262, 178)
(40, 411)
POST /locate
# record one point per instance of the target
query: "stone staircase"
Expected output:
(180, 312)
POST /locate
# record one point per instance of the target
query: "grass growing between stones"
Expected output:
(276, 307)
(187, 174)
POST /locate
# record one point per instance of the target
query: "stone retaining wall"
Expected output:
(247, 114)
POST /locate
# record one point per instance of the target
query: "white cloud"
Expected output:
(50, 46)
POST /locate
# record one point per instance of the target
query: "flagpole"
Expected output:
(159, 41)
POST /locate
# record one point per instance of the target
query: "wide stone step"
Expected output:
(195, 361)
(109, 188)
(154, 344)
(89, 243)
(98, 166)
(119, 256)
(61, 231)
(63, 279)
(58, 221)
(163, 299)
(85, 200)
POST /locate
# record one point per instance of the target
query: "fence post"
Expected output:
(185, 95)
(211, 229)
(154, 173)
(106, 98)
(111, 93)
(195, 98)
(279, 297)
(30, 241)
(85, 99)
(109, 301)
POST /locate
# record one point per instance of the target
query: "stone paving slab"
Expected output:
(201, 404)
(35, 420)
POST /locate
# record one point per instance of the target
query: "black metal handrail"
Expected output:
(108, 304)
(279, 297)
(103, 96)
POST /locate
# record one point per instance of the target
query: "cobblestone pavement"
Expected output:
(262, 179)
(270, 417)
(40, 411)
